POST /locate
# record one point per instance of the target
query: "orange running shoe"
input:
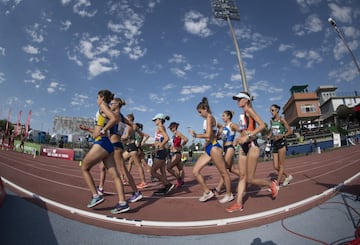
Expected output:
(235, 207)
(274, 189)
(142, 185)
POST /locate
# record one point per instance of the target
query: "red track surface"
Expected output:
(61, 181)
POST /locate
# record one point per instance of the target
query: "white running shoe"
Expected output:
(206, 196)
(227, 198)
(287, 180)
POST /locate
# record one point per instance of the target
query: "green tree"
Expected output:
(3, 125)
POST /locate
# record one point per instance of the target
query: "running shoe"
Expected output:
(100, 191)
(179, 182)
(169, 187)
(235, 207)
(182, 182)
(125, 182)
(120, 208)
(135, 197)
(227, 198)
(206, 196)
(160, 192)
(217, 191)
(287, 180)
(142, 185)
(95, 201)
(274, 189)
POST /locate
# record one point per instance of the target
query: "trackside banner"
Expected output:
(57, 152)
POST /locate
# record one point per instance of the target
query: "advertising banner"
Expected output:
(57, 152)
(337, 139)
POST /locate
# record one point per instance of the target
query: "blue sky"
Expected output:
(165, 55)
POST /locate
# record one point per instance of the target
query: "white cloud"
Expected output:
(54, 86)
(258, 42)
(138, 108)
(37, 75)
(99, 51)
(100, 65)
(178, 72)
(36, 33)
(12, 4)
(347, 72)
(151, 70)
(169, 86)
(2, 51)
(177, 58)
(65, 25)
(197, 24)
(79, 99)
(12, 100)
(338, 13)
(209, 76)
(81, 8)
(29, 102)
(2, 77)
(86, 49)
(186, 90)
(312, 24)
(74, 58)
(135, 52)
(156, 98)
(129, 26)
(284, 47)
(30, 49)
(306, 5)
(310, 57)
(65, 2)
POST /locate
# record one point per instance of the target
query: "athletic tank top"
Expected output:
(120, 127)
(176, 141)
(277, 127)
(159, 137)
(247, 123)
(101, 121)
(214, 127)
(228, 135)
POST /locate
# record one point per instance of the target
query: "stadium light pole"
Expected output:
(341, 36)
(227, 10)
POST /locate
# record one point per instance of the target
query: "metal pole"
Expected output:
(333, 23)
(238, 55)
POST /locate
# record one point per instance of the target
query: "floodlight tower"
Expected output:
(227, 10)
(333, 23)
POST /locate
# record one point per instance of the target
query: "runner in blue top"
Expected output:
(213, 151)
(227, 132)
(103, 150)
(116, 132)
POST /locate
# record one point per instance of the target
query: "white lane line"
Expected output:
(182, 224)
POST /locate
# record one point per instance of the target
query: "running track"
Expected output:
(58, 185)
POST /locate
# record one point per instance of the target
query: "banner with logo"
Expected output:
(57, 152)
